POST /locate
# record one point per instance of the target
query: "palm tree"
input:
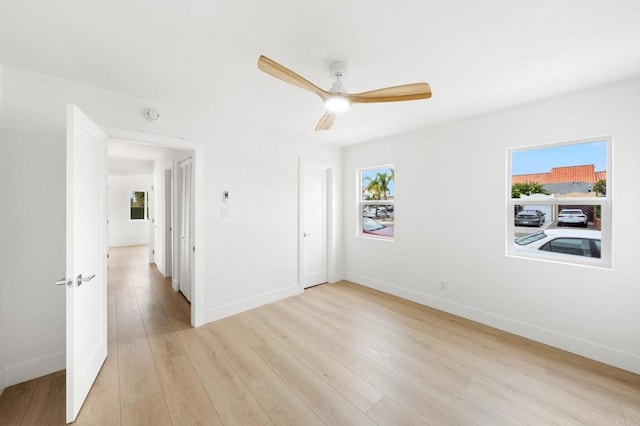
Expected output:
(384, 180)
(379, 186)
(374, 188)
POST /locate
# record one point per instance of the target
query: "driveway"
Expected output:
(520, 231)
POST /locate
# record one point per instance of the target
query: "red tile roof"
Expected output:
(567, 174)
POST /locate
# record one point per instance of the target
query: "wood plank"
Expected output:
(281, 403)
(102, 406)
(387, 412)
(186, 398)
(47, 403)
(246, 364)
(15, 400)
(149, 411)
(326, 403)
(418, 401)
(233, 401)
(360, 393)
(138, 377)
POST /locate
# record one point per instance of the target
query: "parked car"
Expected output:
(542, 215)
(373, 227)
(572, 217)
(377, 212)
(529, 218)
(577, 243)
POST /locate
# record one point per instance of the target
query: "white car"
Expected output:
(565, 242)
(572, 217)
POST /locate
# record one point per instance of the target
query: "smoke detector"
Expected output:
(152, 114)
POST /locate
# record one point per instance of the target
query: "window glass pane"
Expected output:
(380, 227)
(571, 170)
(138, 205)
(377, 184)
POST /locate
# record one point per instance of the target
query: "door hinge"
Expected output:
(153, 252)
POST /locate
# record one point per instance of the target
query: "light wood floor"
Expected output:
(337, 354)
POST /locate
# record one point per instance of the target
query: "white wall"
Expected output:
(32, 256)
(122, 230)
(442, 172)
(250, 258)
(2, 248)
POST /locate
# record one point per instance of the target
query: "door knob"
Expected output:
(80, 279)
(64, 281)
(305, 234)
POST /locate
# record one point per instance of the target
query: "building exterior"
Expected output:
(565, 180)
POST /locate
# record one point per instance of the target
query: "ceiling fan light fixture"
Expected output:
(337, 103)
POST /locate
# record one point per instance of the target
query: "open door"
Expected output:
(314, 223)
(186, 234)
(86, 268)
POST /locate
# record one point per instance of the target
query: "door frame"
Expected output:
(330, 201)
(177, 277)
(167, 176)
(197, 293)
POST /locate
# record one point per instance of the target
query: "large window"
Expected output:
(377, 202)
(139, 205)
(559, 204)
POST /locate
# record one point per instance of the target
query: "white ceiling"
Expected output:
(478, 56)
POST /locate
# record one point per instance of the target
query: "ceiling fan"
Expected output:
(336, 99)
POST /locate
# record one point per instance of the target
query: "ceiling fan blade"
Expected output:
(283, 73)
(326, 121)
(406, 92)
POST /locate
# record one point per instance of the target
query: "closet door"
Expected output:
(185, 230)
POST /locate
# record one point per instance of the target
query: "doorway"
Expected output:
(316, 193)
(167, 249)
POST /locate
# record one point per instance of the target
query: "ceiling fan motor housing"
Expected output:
(338, 71)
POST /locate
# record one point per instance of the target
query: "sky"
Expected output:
(542, 160)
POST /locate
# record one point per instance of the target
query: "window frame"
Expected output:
(362, 203)
(605, 203)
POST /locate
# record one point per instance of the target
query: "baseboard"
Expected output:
(27, 370)
(592, 350)
(337, 276)
(2, 385)
(250, 303)
(174, 284)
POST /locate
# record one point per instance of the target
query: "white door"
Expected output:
(185, 230)
(314, 224)
(86, 264)
(153, 225)
(168, 222)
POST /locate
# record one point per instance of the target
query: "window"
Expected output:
(559, 204)
(376, 202)
(139, 205)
